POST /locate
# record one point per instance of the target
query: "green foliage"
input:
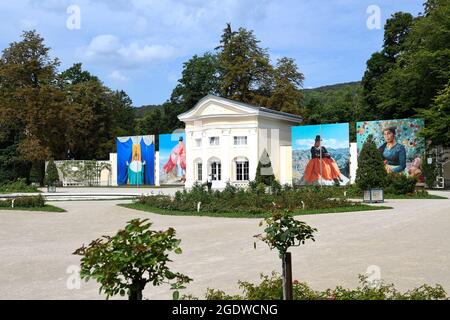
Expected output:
(200, 77)
(430, 172)
(371, 172)
(37, 172)
(19, 185)
(51, 174)
(437, 119)
(44, 114)
(251, 201)
(245, 66)
(336, 103)
(239, 70)
(409, 76)
(264, 171)
(126, 262)
(87, 171)
(283, 231)
(24, 202)
(270, 288)
(399, 183)
(29, 201)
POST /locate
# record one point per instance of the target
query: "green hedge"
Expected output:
(232, 199)
(17, 186)
(271, 288)
(24, 202)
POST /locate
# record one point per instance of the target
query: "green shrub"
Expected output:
(264, 171)
(51, 175)
(37, 172)
(430, 172)
(270, 288)
(24, 202)
(5, 203)
(233, 199)
(29, 202)
(136, 256)
(371, 172)
(17, 186)
(399, 183)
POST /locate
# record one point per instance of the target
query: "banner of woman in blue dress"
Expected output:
(136, 160)
(172, 158)
(398, 143)
(320, 154)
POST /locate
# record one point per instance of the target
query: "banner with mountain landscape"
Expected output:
(320, 154)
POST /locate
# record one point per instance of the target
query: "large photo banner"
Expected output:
(172, 158)
(398, 143)
(320, 154)
(136, 160)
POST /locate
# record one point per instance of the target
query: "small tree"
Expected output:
(281, 233)
(36, 172)
(125, 263)
(51, 175)
(264, 171)
(371, 171)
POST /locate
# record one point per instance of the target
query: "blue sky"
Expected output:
(140, 45)
(334, 136)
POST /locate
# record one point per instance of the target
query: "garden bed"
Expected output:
(45, 208)
(28, 203)
(353, 208)
(18, 186)
(248, 203)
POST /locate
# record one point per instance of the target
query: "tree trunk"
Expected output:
(136, 290)
(287, 276)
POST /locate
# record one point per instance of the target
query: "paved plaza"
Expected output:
(410, 245)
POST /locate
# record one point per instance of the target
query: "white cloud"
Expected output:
(327, 143)
(108, 49)
(135, 53)
(103, 44)
(117, 77)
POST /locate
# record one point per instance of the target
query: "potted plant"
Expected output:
(371, 174)
(51, 176)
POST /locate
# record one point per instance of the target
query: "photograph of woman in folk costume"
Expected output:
(321, 166)
(393, 153)
(399, 143)
(136, 167)
(176, 163)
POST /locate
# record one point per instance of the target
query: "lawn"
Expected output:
(46, 208)
(353, 208)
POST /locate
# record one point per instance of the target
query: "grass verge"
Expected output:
(46, 208)
(357, 207)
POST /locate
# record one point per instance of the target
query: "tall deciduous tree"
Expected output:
(437, 119)
(286, 95)
(404, 79)
(30, 104)
(244, 65)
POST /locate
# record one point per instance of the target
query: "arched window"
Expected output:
(241, 166)
(215, 169)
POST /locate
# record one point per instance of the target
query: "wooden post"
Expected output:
(287, 276)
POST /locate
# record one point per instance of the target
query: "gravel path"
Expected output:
(409, 244)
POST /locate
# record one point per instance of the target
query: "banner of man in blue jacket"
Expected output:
(136, 160)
